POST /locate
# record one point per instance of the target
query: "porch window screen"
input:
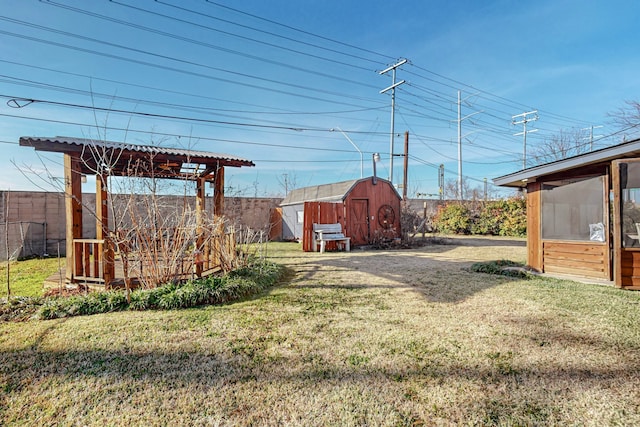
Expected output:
(571, 208)
(630, 198)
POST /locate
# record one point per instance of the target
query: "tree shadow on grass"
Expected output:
(425, 271)
(513, 390)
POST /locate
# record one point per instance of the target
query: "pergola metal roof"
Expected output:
(521, 178)
(125, 159)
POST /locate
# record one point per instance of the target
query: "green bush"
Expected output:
(453, 218)
(78, 305)
(502, 218)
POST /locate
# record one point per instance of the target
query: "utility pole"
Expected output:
(441, 181)
(530, 116)
(460, 119)
(392, 88)
(459, 148)
(406, 166)
(590, 129)
(485, 189)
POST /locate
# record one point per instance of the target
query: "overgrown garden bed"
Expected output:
(235, 285)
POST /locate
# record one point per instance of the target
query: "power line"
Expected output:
(180, 136)
(205, 44)
(387, 57)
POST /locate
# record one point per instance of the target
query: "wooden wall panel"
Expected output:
(320, 213)
(629, 275)
(275, 224)
(576, 258)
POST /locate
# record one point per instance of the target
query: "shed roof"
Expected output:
(334, 192)
(165, 162)
(522, 177)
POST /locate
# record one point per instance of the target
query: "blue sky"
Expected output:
(275, 81)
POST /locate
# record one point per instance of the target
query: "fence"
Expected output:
(22, 239)
(41, 207)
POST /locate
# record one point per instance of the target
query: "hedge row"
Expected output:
(506, 217)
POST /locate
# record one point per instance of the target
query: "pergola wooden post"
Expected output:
(200, 230)
(218, 192)
(73, 210)
(106, 254)
(218, 211)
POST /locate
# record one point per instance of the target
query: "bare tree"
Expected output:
(565, 144)
(627, 118)
(451, 190)
(288, 181)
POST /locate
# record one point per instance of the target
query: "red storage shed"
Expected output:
(368, 209)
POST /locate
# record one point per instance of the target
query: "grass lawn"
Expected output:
(407, 337)
(26, 277)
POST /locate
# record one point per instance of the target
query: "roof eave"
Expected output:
(523, 177)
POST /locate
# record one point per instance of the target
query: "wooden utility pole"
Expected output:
(6, 237)
(406, 166)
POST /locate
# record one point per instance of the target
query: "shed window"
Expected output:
(300, 217)
(572, 207)
(630, 197)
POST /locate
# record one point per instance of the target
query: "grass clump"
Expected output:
(19, 308)
(502, 267)
(236, 285)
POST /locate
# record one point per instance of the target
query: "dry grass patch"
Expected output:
(407, 337)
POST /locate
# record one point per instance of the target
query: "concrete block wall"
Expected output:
(21, 208)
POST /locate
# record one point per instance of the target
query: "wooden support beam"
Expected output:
(534, 231)
(73, 211)
(618, 251)
(106, 255)
(200, 216)
(218, 192)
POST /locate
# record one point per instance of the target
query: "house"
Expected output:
(367, 208)
(583, 214)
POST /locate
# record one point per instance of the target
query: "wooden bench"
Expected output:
(323, 233)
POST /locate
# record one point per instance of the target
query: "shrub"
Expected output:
(77, 305)
(19, 308)
(515, 218)
(502, 218)
(237, 284)
(453, 218)
(500, 267)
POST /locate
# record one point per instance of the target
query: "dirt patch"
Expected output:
(64, 291)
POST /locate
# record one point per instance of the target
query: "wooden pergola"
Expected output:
(84, 157)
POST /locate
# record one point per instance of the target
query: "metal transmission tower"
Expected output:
(392, 88)
(530, 116)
